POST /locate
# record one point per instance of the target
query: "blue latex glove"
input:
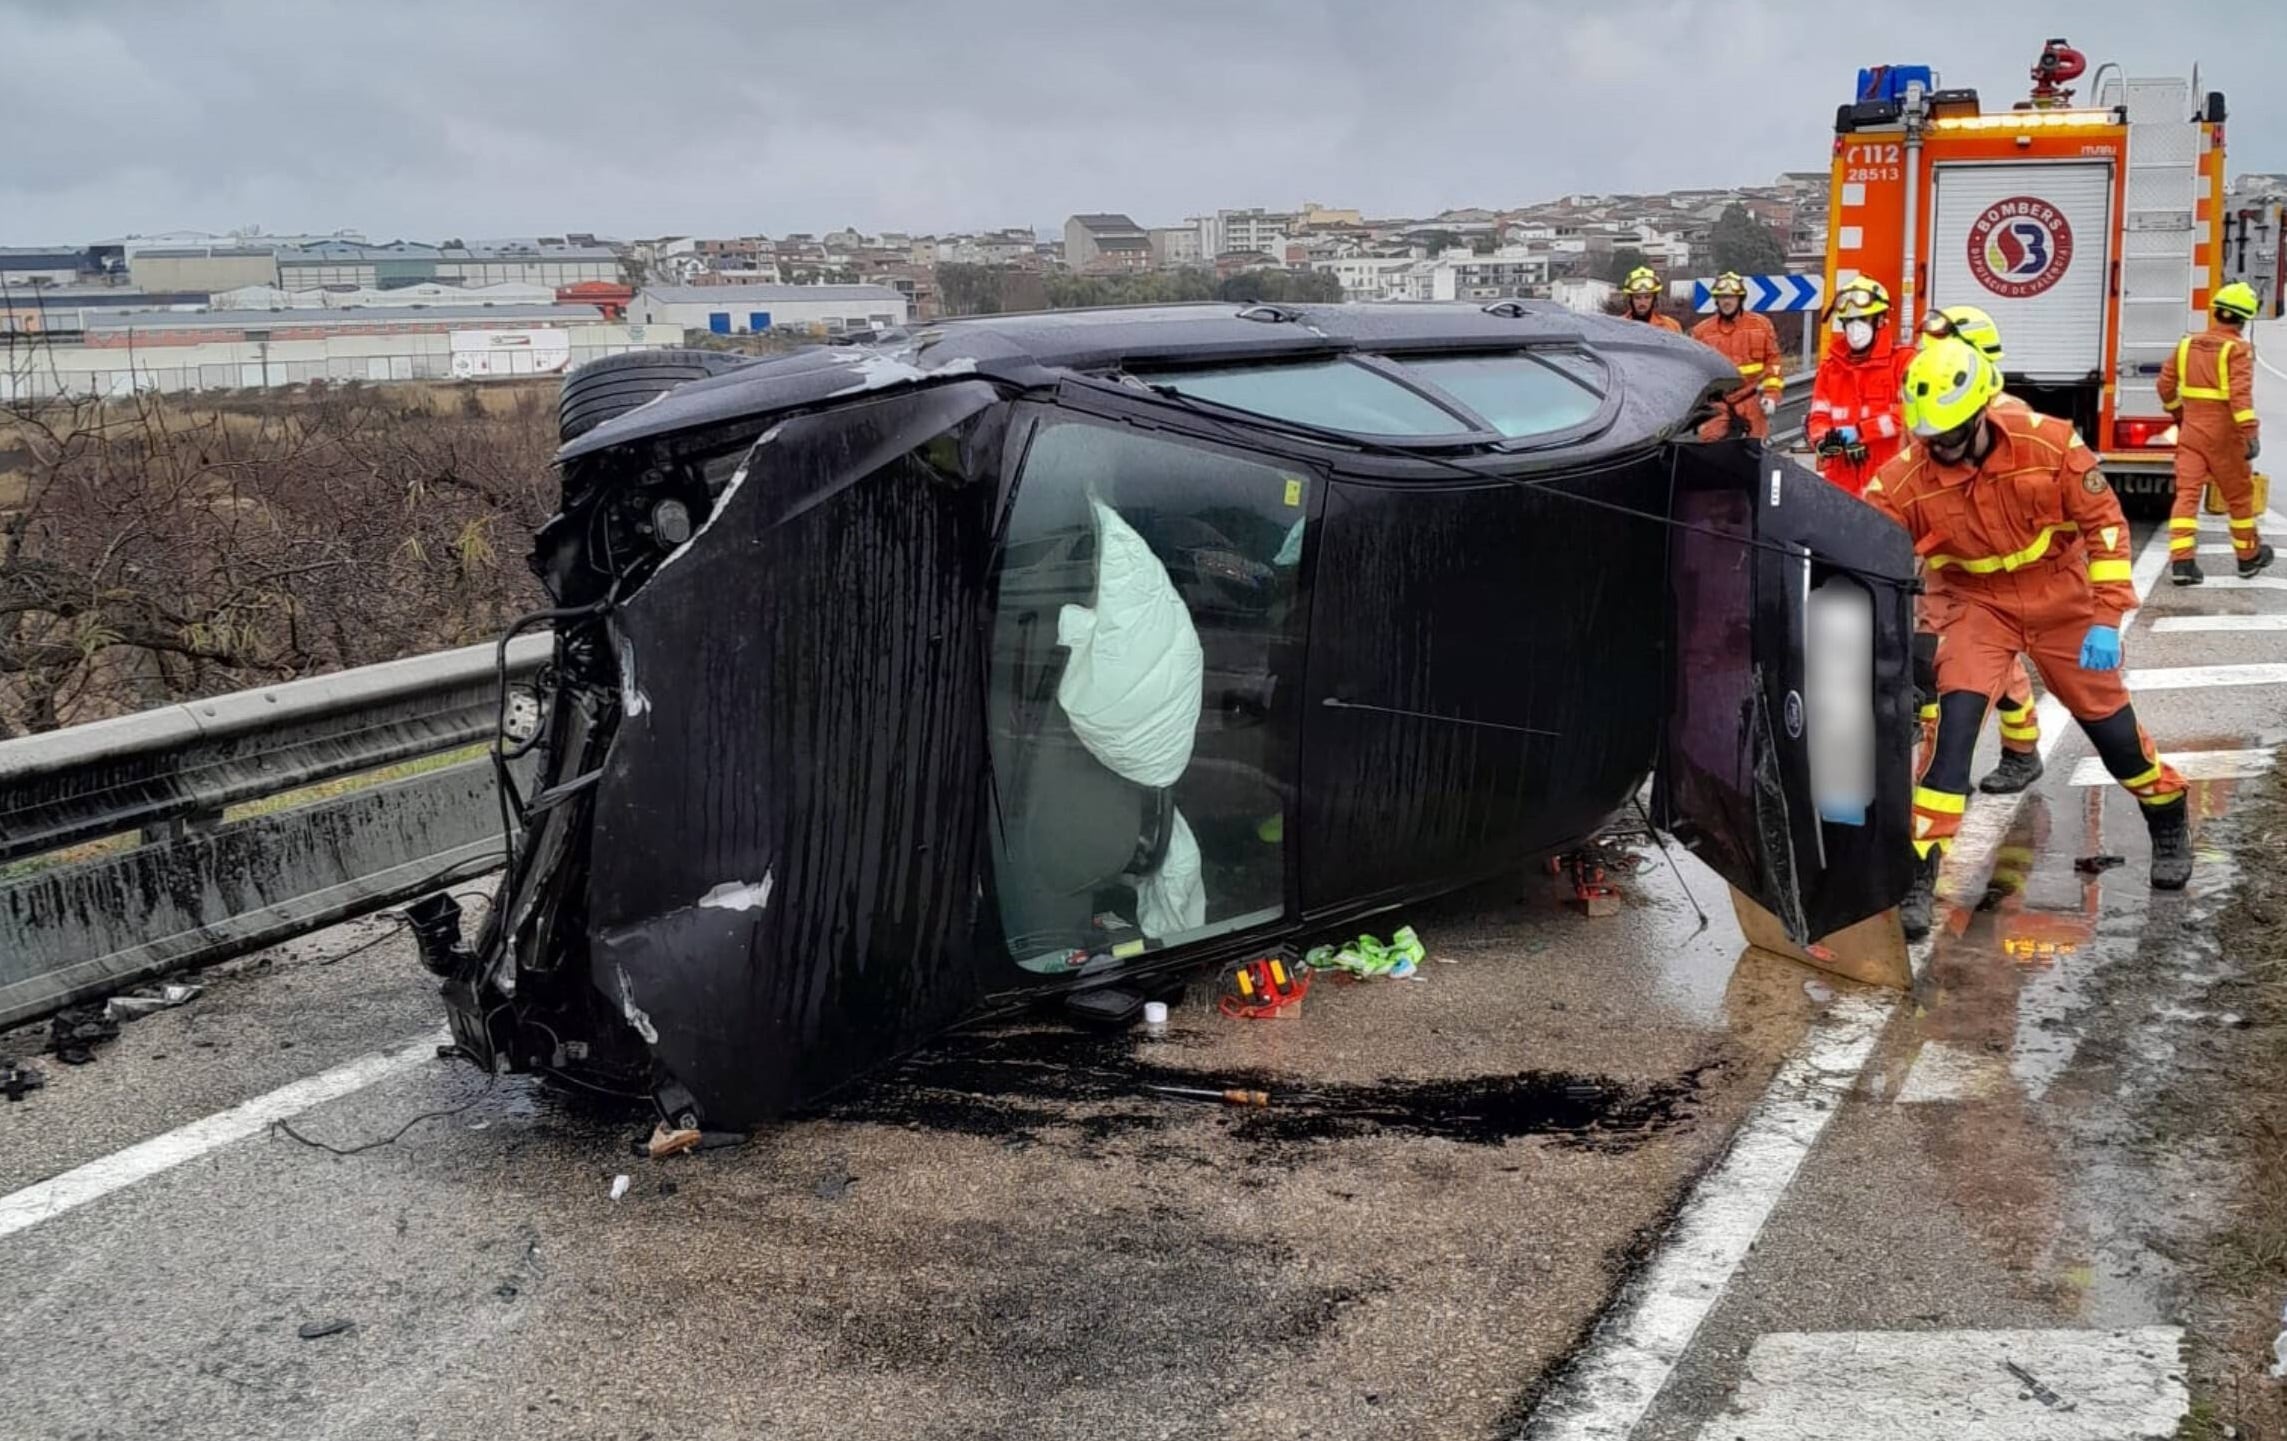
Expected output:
(1849, 434)
(2101, 651)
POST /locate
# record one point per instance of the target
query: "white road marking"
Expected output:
(48, 1199)
(1614, 1379)
(2269, 521)
(2219, 622)
(1943, 1071)
(1914, 1385)
(1639, 1342)
(2194, 765)
(2266, 581)
(2204, 677)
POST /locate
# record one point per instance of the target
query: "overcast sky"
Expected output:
(497, 118)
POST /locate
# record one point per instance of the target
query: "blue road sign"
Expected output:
(1770, 293)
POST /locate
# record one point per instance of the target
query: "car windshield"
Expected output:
(1522, 395)
(1331, 394)
(1512, 394)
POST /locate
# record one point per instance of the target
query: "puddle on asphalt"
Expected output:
(1030, 1083)
(2075, 994)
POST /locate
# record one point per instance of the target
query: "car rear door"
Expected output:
(1751, 696)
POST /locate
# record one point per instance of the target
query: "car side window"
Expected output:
(1146, 655)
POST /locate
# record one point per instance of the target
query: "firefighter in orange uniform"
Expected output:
(1747, 341)
(2209, 385)
(2012, 507)
(2020, 727)
(1853, 423)
(1642, 289)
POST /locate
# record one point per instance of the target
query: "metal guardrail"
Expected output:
(195, 886)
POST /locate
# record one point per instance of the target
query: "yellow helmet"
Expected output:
(1641, 281)
(2235, 301)
(1862, 299)
(1728, 283)
(1949, 383)
(1968, 323)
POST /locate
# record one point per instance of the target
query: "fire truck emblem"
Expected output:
(2020, 247)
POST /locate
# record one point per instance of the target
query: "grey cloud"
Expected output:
(473, 119)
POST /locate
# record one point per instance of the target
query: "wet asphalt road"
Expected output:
(1005, 1239)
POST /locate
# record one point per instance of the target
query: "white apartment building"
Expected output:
(1512, 270)
(1235, 232)
(1371, 277)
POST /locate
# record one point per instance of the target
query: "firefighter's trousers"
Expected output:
(2222, 459)
(2046, 620)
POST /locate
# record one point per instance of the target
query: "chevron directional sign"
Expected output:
(1770, 292)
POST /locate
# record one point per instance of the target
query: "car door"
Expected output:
(1764, 723)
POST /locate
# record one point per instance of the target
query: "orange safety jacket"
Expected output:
(2019, 528)
(1860, 391)
(1655, 320)
(1748, 342)
(2210, 383)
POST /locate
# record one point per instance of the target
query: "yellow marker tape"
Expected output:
(1126, 949)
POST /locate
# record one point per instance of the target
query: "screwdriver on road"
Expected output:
(1233, 1097)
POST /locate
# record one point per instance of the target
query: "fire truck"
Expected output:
(2088, 231)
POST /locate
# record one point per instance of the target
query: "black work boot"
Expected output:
(2185, 572)
(2018, 769)
(2171, 827)
(2255, 562)
(1921, 900)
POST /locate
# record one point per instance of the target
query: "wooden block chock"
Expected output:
(1872, 952)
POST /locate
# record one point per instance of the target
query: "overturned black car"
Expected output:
(1038, 657)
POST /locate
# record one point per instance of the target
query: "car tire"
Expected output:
(616, 384)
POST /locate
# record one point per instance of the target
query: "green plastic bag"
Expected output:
(1367, 958)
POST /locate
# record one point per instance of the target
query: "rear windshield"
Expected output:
(1513, 395)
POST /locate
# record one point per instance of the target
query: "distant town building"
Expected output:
(1507, 272)
(28, 265)
(553, 263)
(1583, 293)
(1095, 244)
(119, 353)
(1173, 246)
(208, 268)
(1236, 232)
(751, 309)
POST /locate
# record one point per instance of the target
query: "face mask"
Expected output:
(1954, 447)
(1860, 333)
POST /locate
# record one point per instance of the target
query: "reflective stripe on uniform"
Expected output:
(2144, 778)
(1930, 711)
(2243, 416)
(1751, 369)
(1942, 802)
(2187, 391)
(1987, 565)
(2104, 572)
(2020, 733)
(2247, 524)
(2184, 523)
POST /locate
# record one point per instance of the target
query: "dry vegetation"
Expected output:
(158, 548)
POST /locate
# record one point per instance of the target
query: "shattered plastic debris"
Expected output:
(665, 1142)
(16, 1078)
(1367, 957)
(2097, 865)
(1818, 991)
(75, 1033)
(2279, 1349)
(318, 1330)
(619, 1185)
(138, 1004)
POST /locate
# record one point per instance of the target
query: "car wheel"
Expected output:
(616, 384)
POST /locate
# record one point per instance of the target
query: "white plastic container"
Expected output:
(1155, 1018)
(1838, 700)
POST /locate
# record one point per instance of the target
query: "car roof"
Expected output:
(1038, 348)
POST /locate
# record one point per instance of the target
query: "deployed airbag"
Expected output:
(1133, 683)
